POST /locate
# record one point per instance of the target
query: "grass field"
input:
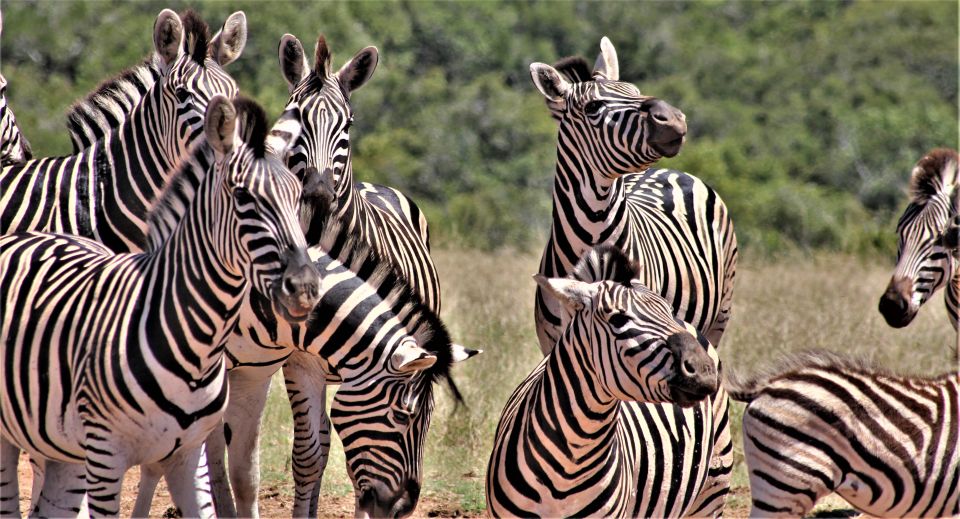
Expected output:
(824, 301)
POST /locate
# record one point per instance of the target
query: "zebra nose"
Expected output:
(299, 287)
(895, 302)
(668, 127)
(696, 374)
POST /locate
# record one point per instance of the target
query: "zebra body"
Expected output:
(887, 444)
(314, 133)
(593, 431)
(670, 222)
(144, 382)
(928, 254)
(104, 191)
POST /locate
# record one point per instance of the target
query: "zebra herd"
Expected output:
(155, 280)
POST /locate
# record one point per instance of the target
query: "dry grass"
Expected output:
(826, 301)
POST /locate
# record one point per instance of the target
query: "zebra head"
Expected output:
(191, 67)
(382, 413)
(927, 255)
(605, 121)
(314, 130)
(14, 147)
(258, 231)
(627, 336)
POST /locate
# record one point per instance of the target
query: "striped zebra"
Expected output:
(314, 133)
(367, 315)
(928, 255)
(104, 191)
(14, 147)
(144, 382)
(823, 423)
(670, 222)
(593, 431)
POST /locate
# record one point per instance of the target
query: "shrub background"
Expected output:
(806, 116)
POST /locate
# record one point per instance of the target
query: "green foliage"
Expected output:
(806, 117)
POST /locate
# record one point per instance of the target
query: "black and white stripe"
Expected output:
(14, 147)
(115, 360)
(104, 191)
(593, 431)
(928, 254)
(669, 221)
(821, 423)
(314, 133)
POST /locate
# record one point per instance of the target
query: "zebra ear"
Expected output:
(356, 72)
(549, 82)
(220, 124)
(607, 65)
(293, 61)
(168, 36)
(573, 294)
(228, 43)
(460, 353)
(409, 358)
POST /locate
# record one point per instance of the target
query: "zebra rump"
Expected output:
(821, 423)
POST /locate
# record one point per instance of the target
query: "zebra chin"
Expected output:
(373, 500)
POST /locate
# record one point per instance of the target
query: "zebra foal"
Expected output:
(114, 360)
(823, 423)
(591, 431)
(928, 252)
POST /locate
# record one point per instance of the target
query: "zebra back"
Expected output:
(820, 423)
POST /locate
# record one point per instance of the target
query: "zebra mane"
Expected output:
(196, 34)
(606, 263)
(744, 389)
(181, 189)
(933, 174)
(575, 68)
(379, 270)
(110, 103)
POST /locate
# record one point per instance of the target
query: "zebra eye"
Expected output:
(401, 416)
(182, 94)
(593, 108)
(618, 320)
(242, 196)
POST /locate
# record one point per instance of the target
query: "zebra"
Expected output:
(928, 255)
(144, 383)
(104, 191)
(822, 423)
(616, 420)
(669, 221)
(14, 147)
(313, 132)
(367, 315)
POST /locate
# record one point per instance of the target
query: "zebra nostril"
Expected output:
(288, 286)
(688, 368)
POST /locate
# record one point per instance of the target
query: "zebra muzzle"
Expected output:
(298, 289)
(696, 375)
(895, 303)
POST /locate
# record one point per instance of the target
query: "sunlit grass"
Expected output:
(826, 301)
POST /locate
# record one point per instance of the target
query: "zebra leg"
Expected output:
(63, 491)
(38, 467)
(104, 472)
(219, 481)
(189, 483)
(307, 392)
(241, 428)
(713, 495)
(9, 488)
(149, 477)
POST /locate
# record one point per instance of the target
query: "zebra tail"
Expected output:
(739, 389)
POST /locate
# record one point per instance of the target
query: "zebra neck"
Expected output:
(571, 406)
(587, 211)
(193, 294)
(131, 165)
